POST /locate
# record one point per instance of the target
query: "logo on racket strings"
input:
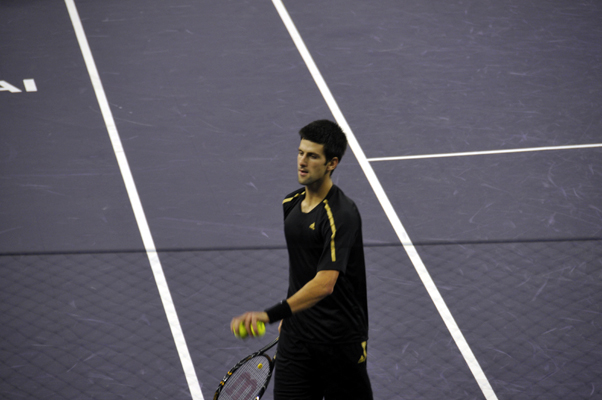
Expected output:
(244, 385)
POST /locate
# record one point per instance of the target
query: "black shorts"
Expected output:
(306, 371)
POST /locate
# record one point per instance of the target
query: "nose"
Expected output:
(302, 160)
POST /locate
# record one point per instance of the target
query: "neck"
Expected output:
(315, 193)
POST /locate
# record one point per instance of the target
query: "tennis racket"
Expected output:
(248, 379)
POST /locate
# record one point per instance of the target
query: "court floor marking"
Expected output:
(428, 282)
(486, 152)
(147, 239)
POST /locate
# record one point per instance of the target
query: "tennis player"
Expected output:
(324, 319)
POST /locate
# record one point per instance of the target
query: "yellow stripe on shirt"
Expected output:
(291, 198)
(333, 253)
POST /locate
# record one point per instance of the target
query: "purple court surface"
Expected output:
(146, 146)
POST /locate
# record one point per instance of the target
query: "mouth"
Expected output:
(302, 172)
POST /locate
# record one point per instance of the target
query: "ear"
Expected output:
(332, 164)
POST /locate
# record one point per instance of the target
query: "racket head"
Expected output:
(247, 380)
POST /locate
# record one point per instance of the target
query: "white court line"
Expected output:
(153, 257)
(451, 324)
(486, 152)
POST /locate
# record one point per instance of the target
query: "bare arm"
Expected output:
(315, 290)
(321, 286)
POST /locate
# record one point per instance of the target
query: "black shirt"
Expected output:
(329, 237)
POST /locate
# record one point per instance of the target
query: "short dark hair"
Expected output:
(326, 133)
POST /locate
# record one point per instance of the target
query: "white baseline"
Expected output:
(486, 152)
(153, 257)
(448, 319)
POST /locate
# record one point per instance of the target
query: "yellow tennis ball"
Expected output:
(260, 366)
(242, 332)
(260, 329)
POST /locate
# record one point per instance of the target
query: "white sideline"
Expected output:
(453, 328)
(153, 257)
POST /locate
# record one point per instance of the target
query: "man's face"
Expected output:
(311, 163)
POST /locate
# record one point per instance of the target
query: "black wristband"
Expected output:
(280, 311)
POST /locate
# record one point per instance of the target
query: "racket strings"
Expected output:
(247, 380)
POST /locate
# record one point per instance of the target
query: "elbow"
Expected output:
(324, 290)
(327, 290)
(326, 282)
